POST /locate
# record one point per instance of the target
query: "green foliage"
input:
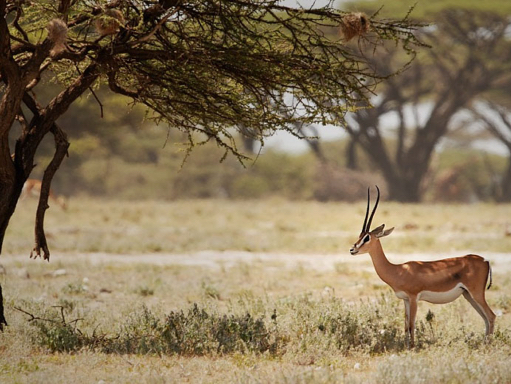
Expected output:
(463, 65)
(290, 176)
(351, 332)
(197, 333)
(126, 157)
(194, 333)
(465, 175)
(59, 337)
(372, 327)
(54, 333)
(242, 59)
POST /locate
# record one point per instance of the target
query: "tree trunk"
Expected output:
(403, 179)
(11, 184)
(505, 187)
(405, 190)
(351, 154)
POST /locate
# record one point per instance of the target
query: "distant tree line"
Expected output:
(134, 160)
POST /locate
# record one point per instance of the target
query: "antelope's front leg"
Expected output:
(410, 314)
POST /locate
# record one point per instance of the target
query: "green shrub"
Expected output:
(54, 333)
(306, 327)
(199, 333)
(195, 332)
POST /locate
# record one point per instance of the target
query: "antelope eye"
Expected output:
(366, 239)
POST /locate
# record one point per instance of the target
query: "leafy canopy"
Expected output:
(210, 65)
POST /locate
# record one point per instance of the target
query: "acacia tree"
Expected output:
(471, 55)
(201, 66)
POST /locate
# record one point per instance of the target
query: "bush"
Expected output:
(60, 337)
(56, 334)
(312, 328)
(199, 333)
(195, 332)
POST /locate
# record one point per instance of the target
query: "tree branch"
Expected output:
(491, 126)
(61, 147)
(63, 321)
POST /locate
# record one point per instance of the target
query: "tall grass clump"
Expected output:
(332, 326)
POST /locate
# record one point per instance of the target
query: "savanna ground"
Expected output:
(244, 292)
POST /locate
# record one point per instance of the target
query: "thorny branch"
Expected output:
(63, 321)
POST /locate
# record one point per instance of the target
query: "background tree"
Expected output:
(471, 55)
(200, 66)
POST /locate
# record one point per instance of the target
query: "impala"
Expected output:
(33, 187)
(437, 282)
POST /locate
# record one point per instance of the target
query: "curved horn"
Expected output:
(367, 213)
(374, 210)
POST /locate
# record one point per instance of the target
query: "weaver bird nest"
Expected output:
(109, 22)
(354, 24)
(57, 33)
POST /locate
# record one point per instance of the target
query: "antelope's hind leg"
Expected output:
(478, 301)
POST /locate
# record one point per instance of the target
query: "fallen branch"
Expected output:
(63, 321)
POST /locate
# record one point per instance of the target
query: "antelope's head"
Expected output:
(367, 237)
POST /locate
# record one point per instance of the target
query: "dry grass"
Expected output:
(259, 226)
(301, 271)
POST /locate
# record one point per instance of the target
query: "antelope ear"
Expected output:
(385, 233)
(378, 231)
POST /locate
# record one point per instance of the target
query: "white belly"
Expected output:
(436, 297)
(442, 297)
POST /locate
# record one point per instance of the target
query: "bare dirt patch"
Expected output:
(320, 262)
(219, 259)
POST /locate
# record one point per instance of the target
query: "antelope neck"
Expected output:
(384, 268)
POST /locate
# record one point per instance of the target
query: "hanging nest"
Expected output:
(109, 22)
(57, 33)
(354, 24)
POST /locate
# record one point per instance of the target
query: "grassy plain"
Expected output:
(317, 315)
